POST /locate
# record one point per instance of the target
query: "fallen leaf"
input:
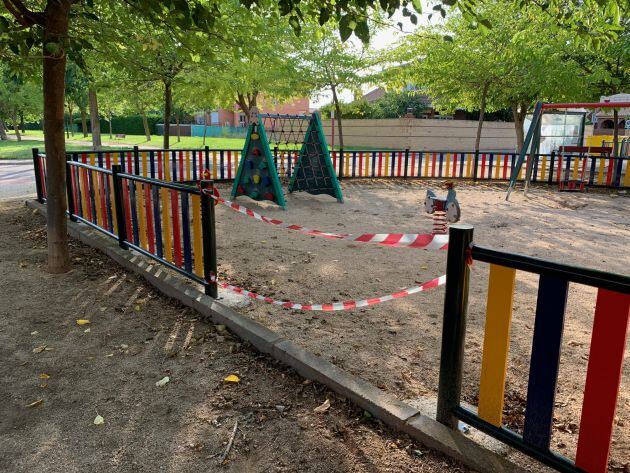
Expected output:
(163, 382)
(22, 265)
(39, 349)
(232, 379)
(35, 403)
(44, 376)
(83, 322)
(424, 266)
(34, 332)
(87, 330)
(137, 308)
(124, 346)
(99, 420)
(111, 354)
(323, 408)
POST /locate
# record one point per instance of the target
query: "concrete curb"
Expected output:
(381, 405)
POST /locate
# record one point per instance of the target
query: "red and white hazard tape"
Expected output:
(346, 305)
(407, 240)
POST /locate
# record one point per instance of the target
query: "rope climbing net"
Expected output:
(285, 129)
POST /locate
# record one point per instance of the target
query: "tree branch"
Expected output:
(22, 14)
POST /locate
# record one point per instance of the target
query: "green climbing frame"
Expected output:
(257, 177)
(314, 172)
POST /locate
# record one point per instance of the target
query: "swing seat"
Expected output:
(571, 185)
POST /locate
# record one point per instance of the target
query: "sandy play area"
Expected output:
(396, 345)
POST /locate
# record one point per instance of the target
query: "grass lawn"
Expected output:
(188, 142)
(22, 149)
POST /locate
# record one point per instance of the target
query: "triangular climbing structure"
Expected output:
(313, 172)
(257, 177)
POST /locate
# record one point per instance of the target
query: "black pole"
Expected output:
(69, 193)
(341, 157)
(119, 208)
(38, 176)
(209, 239)
(207, 160)
(476, 165)
(406, 160)
(275, 156)
(454, 326)
(552, 160)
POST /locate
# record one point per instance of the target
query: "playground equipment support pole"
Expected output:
(118, 205)
(38, 176)
(341, 158)
(71, 209)
(454, 327)
(209, 239)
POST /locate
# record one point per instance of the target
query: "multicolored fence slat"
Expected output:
(603, 377)
(496, 343)
(545, 360)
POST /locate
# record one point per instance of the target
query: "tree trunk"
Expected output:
(145, 124)
(338, 113)
(482, 112)
(16, 127)
(205, 126)
(179, 131)
(111, 135)
(95, 121)
(616, 132)
(84, 122)
(519, 121)
(168, 102)
(22, 124)
(56, 32)
(3, 131)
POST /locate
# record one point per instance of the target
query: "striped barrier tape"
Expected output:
(334, 306)
(407, 240)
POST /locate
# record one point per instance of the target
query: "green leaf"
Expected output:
(52, 47)
(362, 31)
(417, 5)
(4, 24)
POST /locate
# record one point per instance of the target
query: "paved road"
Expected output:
(16, 179)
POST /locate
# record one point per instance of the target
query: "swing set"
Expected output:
(531, 146)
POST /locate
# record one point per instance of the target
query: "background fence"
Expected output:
(189, 165)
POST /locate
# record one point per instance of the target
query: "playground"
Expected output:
(336, 266)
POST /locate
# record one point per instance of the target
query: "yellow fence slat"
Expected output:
(187, 164)
(145, 164)
(496, 343)
(600, 174)
(197, 238)
(427, 158)
(346, 157)
(97, 199)
(448, 165)
(543, 170)
(626, 179)
(166, 226)
(576, 165)
(386, 164)
(214, 165)
(111, 199)
(468, 164)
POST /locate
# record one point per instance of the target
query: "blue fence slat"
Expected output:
(545, 360)
(186, 233)
(157, 221)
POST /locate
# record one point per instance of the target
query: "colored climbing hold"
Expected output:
(250, 163)
(254, 136)
(268, 196)
(240, 190)
(256, 178)
(254, 194)
(266, 181)
(262, 165)
(256, 152)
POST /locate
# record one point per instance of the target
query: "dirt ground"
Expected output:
(71, 373)
(396, 345)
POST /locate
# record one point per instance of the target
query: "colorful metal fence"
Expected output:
(170, 222)
(187, 165)
(608, 341)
